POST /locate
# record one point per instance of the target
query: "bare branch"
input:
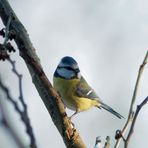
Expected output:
(23, 115)
(20, 84)
(5, 123)
(139, 107)
(137, 83)
(130, 119)
(49, 96)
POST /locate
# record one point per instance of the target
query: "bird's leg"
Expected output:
(77, 111)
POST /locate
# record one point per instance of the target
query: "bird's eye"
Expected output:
(66, 67)
(69, 68)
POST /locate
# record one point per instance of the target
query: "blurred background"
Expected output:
(108, 38)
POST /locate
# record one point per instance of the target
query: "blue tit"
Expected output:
(75, 92)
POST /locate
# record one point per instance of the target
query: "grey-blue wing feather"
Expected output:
(84, 90)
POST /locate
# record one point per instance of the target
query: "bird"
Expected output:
(74, 90)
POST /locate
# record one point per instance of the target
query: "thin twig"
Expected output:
(5, 123)
(20, 84)
(139, 107)
(23, 113)
(133, 99)
(137, 83)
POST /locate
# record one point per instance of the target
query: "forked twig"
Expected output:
(139, 107)
(129, 120)
(8, 127)
(23, 113)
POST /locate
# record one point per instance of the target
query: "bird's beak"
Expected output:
(77, 70)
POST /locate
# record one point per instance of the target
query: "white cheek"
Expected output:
(79, 75)
(65, 73)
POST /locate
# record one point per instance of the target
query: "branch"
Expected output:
(49, 96)
(5, 123)
(139, 107)
(24, 113)
(130, 115)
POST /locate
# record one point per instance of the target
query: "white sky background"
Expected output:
(108, 38)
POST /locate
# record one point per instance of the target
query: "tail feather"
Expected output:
(106, 107)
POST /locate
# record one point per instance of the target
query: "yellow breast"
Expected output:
(67, 89)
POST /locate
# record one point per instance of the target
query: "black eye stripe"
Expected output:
(66, 67)
(76, 71)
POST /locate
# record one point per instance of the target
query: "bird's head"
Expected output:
(68, 69)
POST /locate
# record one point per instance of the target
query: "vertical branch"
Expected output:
(130, 118)
(137, 83)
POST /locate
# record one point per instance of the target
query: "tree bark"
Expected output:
(47, 93)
